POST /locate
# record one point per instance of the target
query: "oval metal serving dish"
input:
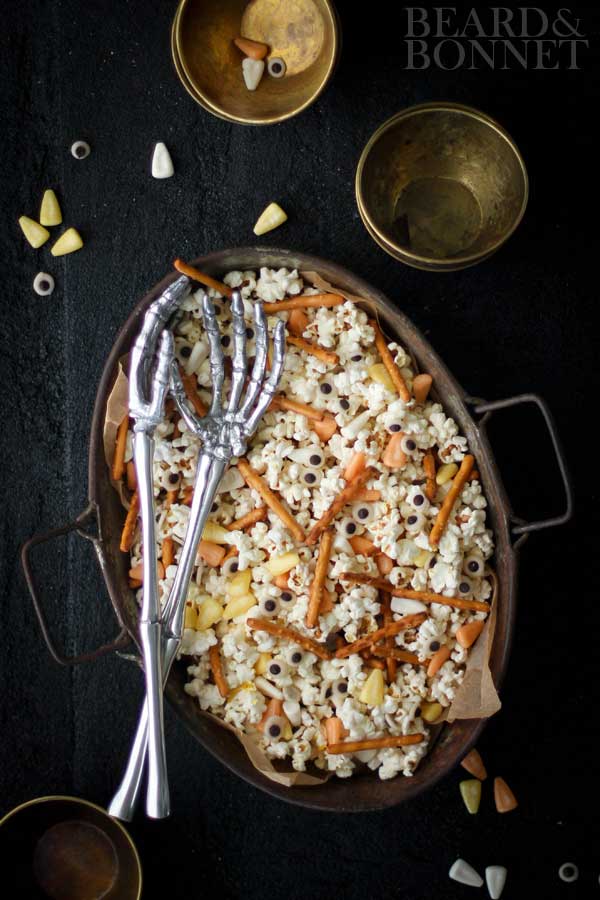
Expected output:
(364, 792)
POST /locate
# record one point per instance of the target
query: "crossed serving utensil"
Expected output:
(224, 433)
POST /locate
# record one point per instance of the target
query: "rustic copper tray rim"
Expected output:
(461, 735)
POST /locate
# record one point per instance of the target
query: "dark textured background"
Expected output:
(523, 321)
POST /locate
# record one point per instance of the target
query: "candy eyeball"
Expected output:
(183, 352)
(43, 284)
(309, 478)
(80, 149)
(169, 480)
(464, 587)
(326, 393)
(408, 444)
(395, 428)
(417, 499)
(344, 404)
(286, 598)
(294, 656)
(276, 67)
(415, 522)
(339, 690)
(363, 512)
(473, 565)
(273, 728)
(312, 457)
(348, 527)
(277, 668)
(269, 606)
(230, 566)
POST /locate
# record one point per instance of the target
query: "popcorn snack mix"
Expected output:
(342, 578)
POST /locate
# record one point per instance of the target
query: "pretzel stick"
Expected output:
(290, 634)
(253, 480)
(131, 476)
(285, 405)
(168, 552)
(118, 466)
(190, 386)
(430, 472)
(206, 280)
(389, 362)
(372, 663)
(322, 300)
(316, 588)
(214, 657)
(314, 350)
(367, 496)
(390, 662)
(381, 634)
(256, 515)
(424, 596)
(403, 740)
(452, 496)
(398, 655)
(344, 497)
(130, 524)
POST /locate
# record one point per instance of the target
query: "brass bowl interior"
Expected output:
(441, 184)
(72, 848)
(301, 32)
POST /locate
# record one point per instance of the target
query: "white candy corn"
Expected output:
(462, 872)
(162, 164)
(495, 877)
(271, 218)
(252, 70)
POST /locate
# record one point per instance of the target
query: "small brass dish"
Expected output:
(303, 33)
(441, 186)
(67, 849)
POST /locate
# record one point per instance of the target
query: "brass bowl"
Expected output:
(441, 186)
(64, 847)
(304, 33)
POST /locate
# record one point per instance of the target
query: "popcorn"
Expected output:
(271, 566)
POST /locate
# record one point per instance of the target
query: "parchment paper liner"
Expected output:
(476, 697)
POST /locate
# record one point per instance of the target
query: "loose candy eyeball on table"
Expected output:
(80, 149)
(568, 873)
(43, 284)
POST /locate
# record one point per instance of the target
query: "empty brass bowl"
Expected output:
(304, 33)
(441, 186)
(67, 849)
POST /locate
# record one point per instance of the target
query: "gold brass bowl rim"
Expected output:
(177, 62)
(78, 801)
(404, 254)
(210, 106)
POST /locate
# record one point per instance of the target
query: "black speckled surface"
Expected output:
(524, 321)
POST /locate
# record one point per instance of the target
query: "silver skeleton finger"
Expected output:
(224, 435)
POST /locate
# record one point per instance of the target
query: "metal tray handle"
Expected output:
(486, 409)
(78, 525)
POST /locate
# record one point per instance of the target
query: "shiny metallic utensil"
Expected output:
(224, 433)
(148, 384)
